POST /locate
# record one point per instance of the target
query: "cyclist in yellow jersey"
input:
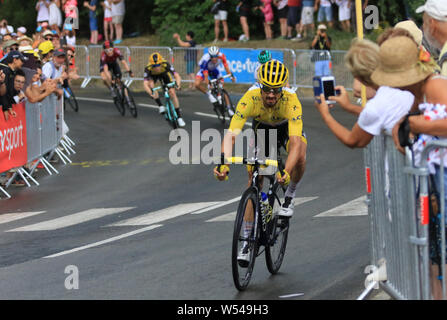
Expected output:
(272, 107)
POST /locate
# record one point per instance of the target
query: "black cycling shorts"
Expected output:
(114, 68)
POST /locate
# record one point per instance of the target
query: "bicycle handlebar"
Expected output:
(223, 77)
(169, 85)
(242, 160)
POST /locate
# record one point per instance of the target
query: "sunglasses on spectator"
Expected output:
(14, 48)
(271, 90)
(49, 38)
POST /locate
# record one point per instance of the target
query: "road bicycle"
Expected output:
(123, 97)
(70, 98)
(223, 99)
(269, 229)
(170, 114)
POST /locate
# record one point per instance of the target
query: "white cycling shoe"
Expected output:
(287, 208)
(180, 122)
(243, 257)
(161, 110)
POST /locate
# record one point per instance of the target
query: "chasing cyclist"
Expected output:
(109, 63)
(208, 70)
(273, 107)
(159, 69)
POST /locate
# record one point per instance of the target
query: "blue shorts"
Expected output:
(211, 74)
(323, 68)
(93, 24)
(190, 66)
(325, 12)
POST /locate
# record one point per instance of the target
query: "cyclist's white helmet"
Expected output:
(213, 51)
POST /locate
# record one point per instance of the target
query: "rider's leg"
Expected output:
(174, 98)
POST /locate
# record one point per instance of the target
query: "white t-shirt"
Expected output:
(71, 41)
(382, 112)
(43, 14)
(51, 73)
(107, 12)
(8, 29)
(118, 9)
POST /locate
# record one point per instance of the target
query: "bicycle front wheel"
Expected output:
(245, 240)
(71, 99)
(172, 115)
(277, 231)
(130, 102)
(118, 101)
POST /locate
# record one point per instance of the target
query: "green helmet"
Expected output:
(264, 56)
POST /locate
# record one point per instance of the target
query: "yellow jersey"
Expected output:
(288, 108)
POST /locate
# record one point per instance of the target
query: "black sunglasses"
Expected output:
(271, 90)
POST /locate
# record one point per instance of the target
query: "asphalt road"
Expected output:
(151, 242)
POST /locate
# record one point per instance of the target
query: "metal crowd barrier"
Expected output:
(45, 136)
(400, 260)
(299, 62)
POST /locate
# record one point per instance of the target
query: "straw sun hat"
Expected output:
(402, 63)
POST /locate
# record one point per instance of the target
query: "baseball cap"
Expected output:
(59, 52)
(46, 47)
(68, 27)
(322, 27)
(16, 55)
(21, 29)
(436, 9)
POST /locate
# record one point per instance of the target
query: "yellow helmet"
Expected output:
(273, 74)
(46, 47)
(156, 58)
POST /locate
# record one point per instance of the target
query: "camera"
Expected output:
(325, 85)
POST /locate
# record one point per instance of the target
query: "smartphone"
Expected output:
(325, 85)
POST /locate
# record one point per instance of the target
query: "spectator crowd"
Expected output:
(297, 18)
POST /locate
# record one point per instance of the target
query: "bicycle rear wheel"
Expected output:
(277, 230)
(71, 99)
(243, 237)
(118, 101)
(130, 102)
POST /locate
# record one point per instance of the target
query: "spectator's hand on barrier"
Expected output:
(395, 133)
(417, 123)
(176, 36)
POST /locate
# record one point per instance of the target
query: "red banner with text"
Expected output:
(13, 147)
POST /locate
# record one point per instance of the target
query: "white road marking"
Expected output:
(164, 214)
(215, 117)
(232, 215)
(9, 217)
(144, 105)
(72, 219)
(293, 295)
(218, 205)
(225, 217)
(129, 234)
(356, 207)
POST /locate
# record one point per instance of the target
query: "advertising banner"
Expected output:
(244, 62)
(13, 146)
